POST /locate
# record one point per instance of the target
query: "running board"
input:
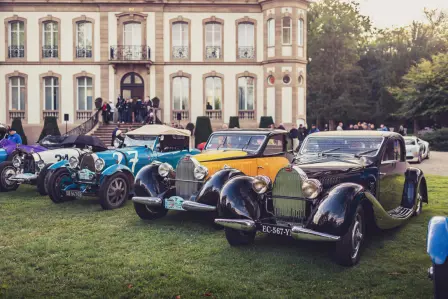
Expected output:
(391, 219)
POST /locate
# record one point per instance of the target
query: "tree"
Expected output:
(234, 122)
(266, 121)
(50, 128)
(203, 130)
(17, 125)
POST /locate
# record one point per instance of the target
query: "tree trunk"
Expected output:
(331, 125)
(416, 128)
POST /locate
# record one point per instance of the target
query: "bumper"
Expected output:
(297, 232)
(174, 203)
(23, 178)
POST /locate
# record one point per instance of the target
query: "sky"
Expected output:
(395, 13)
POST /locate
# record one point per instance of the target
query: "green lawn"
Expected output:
(76, 249)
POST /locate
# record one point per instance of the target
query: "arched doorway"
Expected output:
(132, 86)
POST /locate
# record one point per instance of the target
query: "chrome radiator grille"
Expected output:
(329, 181)
(286, 192)
(185, 185)
(87, 162)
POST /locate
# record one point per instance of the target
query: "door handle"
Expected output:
(260, 167)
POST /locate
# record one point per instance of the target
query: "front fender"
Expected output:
(437, 243)
(148, 182)
(238, 200)
(114, 169)
(336, 211)
(210, 192)
(60, 164)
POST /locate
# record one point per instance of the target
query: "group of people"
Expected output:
(128, 111)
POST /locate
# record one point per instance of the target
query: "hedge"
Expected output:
(438, 140)
(17, 125)
(266, 121)
(50, 128)
(234, 122)
(203, 130)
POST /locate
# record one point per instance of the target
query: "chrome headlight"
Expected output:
(260, 184)
(99, 164)
(73, 162)
(311, 188)
(16, 162)
(165, 169)
(41, 164)
(200, 172)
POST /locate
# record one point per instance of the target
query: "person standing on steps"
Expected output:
(105, 110)
(120, 107)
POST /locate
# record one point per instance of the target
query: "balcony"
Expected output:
(84, 52)
(16, 51)
(17, 114)
(246, 114)
(214, 114)
(180, 52)
(130, 53)
(246, 52)
(213, 52)
(50, 51)
(184, 115)
(50, 113)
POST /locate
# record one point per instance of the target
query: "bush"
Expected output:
(234, 122)
(50, 128)
(190, 127)
(266, 121)
(17, 125)
(203, 130)
(438, 140)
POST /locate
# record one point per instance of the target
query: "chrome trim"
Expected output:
(301, 233)
(149, 201)
(244, 225)
(195, 206)
(21, 178)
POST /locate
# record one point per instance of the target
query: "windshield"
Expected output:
(132, 140)
(342, 145)
(251, 143)
(409, 141)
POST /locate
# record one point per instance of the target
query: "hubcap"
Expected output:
(117, 191)
(7, 173)
(357, 236)
(419, 203)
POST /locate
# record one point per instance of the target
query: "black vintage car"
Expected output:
(341, 184)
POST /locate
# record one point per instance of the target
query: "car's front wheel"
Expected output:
(57, 182)
(7, 170)
(348, 248)
(114, 191)
(419, 158)
(42, 182)
(149, 213)
(439, 276)
(237, 237)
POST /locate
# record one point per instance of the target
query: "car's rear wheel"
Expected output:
(149, 213)
(439, 277)
(237, 237)
(57, 182)
(7, 170)
(41, 181)
(114, 191)
(419, 201)
(348, 248)
(419, 158)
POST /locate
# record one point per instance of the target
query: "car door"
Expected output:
(273, 156)
(392, 174)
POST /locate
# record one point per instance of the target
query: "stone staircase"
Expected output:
(104, 132)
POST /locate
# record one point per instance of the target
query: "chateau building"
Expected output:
(218, 58)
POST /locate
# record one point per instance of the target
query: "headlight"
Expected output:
(99, 164)
(73, 162)
(16, 162)
(261, 184)
(311, 188)
(200, 172)
(41, 164)
(165, 169)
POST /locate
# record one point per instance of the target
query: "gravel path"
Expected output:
(437, 164)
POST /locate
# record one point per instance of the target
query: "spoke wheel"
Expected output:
(114, 191)
(7, 170)
(57, 182)
(357, 236)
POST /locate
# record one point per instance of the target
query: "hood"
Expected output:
(111, 157)
(211, 155)
(329, 166)
(410, 147)
(53, 156)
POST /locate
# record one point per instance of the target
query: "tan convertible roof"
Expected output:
(158, 130)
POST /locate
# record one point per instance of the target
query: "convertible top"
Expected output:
(158, 130)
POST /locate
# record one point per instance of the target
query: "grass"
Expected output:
(76, 250)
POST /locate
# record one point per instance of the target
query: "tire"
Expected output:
(348, 248)
(114, 191)
(427, 155)
(419, 201)
(238, 237)
(419, 158)
(146, 213)
(41, 181)
(439, 278)
(57, 181)
(7, 170)
(12, 155)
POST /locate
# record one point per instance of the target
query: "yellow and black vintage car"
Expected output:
(196, 183)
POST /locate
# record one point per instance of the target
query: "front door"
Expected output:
(132, 86)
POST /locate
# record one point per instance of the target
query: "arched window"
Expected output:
(51, 93)
(286, 31)
(213, 40)
(50, 48)
(180, 40)
(246, 86)
(16, 39)
(17, 93)
(84, 39)
(85, 93)
(180, 96)
(300, 32)
(246, 40)
(271, 32)
(213, 97)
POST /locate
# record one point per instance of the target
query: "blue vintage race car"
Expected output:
(437, 248)
(109, 175)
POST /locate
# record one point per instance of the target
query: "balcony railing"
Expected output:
(246, 114)
(125, 53)
(83, 114)
(213, 52)
(16, 51)
(184, 115)
(84, 52)
(50, 51)
(180, 52)
(214, 114)
(16, 114)
(246, 52)
(50, 113)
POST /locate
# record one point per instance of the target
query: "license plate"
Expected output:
(73, 193)
(174, 203)
(84, 175)
(276, 230)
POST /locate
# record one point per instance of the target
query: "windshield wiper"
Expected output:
(322, 153)
(365, 153)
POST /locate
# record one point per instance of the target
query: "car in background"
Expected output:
(196, 182)
(109, 175)
(31, 167)
(341, 183)
(437, 248)
(416, 149)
